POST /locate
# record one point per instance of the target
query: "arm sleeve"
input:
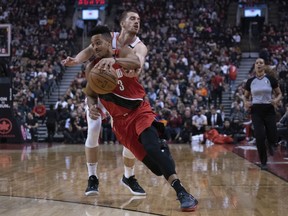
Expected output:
(247, 86)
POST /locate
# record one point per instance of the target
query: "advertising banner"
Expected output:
(10, 129)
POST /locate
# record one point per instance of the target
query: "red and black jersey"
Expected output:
(127, 95)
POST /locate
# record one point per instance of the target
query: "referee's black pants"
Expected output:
(264, 122)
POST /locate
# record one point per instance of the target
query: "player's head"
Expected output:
(130, 21)
(101, 41)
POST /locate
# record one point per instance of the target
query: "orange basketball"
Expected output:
(102, 81)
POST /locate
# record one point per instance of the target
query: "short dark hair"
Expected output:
(124, 14)
(101, 29)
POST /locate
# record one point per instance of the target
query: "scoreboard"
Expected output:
(91, 3)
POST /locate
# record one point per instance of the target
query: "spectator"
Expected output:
(186, 131)
(40, 111)
(77, 130)
(199, 122)
(31, 126)
(61, 101)
(232, 77)
(227, 129)
(107, 134)
(68, 132)
(174, 125)
(214, 119)
(237, 118)
(83, 123)
(217, 88)
(51, 121)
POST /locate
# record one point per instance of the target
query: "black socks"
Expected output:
(176, 184)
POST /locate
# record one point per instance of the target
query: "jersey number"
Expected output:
(121, 86)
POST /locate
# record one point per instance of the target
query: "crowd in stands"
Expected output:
(40, 40)
(191, 52)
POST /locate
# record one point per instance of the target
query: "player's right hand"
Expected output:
(69, 61)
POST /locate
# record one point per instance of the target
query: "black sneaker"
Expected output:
(132, 184)
(263, 167)
(271, 149)
(187, 201)
(92, 188)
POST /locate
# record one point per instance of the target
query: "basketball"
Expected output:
(102, 81)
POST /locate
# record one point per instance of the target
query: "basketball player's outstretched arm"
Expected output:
(81, 57)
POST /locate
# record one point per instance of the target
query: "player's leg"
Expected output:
(128, 179)
(91, 152)
(150, 140)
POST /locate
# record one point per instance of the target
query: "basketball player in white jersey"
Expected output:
(130, 24)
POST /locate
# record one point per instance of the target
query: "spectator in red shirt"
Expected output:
(232, 76)
(174, 125)
(217, 88)
(40, 111)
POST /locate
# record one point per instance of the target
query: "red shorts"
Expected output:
(128, 128)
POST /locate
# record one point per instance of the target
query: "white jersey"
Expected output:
(115, 36)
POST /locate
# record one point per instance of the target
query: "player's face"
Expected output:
(259, 65)
(100, 46)
(131, 23)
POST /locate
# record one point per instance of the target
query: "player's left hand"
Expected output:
(94, 112)
(105, 63)
(69, 61)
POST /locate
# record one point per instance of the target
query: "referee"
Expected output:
(262, 94)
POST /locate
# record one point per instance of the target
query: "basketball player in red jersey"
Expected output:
(133, 119)
(130, 24)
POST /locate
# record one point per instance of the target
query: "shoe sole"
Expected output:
(133, 192)
(264, 168)
(189, 209)
(91, 193)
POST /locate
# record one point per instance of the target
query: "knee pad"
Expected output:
(165, 150)
(127, 153)
(93, 132)
(150, 140)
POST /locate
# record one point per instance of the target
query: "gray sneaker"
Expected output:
(187, 201)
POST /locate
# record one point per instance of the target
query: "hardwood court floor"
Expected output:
(46, 180)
